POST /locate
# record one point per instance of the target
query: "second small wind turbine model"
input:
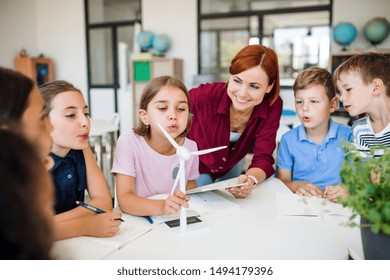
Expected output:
(184, 154)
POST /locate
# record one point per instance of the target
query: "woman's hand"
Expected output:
(173, 203)
(310, 189)
(244, 191)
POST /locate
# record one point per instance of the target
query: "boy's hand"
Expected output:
(333, 192)
(309, 189)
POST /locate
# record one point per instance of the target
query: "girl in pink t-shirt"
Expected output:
(145, 161)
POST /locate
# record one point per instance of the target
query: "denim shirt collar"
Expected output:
(58, 160)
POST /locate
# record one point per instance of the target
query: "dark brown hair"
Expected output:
(150, 91)
(369, 65)
(25, 232)
(258, 55)
(315, 76)
(51, 89)
(15, 89)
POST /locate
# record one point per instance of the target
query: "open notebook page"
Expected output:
(93, 248)
(294, 205)
(205, 202)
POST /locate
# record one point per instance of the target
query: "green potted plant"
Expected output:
(367, 180)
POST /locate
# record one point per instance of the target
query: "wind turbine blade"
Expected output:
(202, 152)
(176, 181)
(170, 139)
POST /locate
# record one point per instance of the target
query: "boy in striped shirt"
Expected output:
(363, 83)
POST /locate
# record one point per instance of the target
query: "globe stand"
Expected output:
(159, 54)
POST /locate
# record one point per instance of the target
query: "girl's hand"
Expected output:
(173, 203)
(244, 191)
(103, 225)
(310, 189)
(333, 192)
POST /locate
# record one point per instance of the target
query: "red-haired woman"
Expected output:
(243, 114)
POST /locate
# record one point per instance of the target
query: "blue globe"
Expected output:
(161, 43)
(145, 40)
(376, 30)
(344, 33)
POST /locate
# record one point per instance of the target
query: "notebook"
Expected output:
(294, 205)
(93, 248)
(205, 202)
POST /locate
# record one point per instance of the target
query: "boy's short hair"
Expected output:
(370, 66)
(315, 76)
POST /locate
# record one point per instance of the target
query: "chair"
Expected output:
(104, 145)
(116, 203)
(115, 119)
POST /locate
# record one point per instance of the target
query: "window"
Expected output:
(109, 11)
(231, 6)
(301, 40)
(109, 23)
(100, 56)
(299, 32)
(221, 40)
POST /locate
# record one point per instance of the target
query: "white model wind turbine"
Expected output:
(184, 154)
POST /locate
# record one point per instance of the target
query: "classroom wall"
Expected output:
(18, 29)
(54, 28)
(61, 35)
(178, 19)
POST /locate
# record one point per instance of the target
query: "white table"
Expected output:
(350, 236)
(256, 231)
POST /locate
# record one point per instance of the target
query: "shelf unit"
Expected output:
(142, 70)
(39, 69)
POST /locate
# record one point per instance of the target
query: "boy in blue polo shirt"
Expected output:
(310, 156)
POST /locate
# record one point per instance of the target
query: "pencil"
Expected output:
(93, 208)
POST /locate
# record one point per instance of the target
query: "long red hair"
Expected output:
(258, 55)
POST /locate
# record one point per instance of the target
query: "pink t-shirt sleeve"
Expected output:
(124, 159)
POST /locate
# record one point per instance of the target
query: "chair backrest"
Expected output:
(116, 204)
(115, 119)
